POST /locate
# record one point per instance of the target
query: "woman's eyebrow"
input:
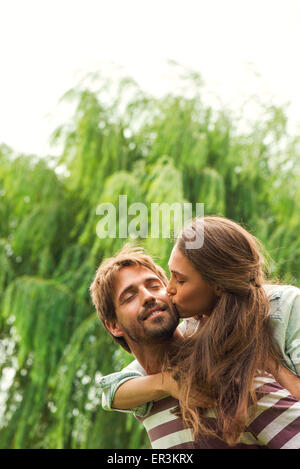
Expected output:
(176, 272)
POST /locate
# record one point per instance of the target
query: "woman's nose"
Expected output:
(171, 290)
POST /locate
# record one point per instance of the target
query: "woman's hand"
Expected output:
(169, 385)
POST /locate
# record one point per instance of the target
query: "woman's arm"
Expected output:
(138, 391)
(288, 380)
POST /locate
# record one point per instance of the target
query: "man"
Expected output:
(131, 300)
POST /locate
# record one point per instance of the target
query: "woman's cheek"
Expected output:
(182, 294)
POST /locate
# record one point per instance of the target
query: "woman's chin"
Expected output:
(187, 315)
(182, 313)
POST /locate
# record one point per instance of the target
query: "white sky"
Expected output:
(45, 46)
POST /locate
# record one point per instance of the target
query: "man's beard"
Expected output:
(163, 331)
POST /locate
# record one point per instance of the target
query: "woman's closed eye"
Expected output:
(178, 280)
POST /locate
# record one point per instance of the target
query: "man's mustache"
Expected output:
(154, 305)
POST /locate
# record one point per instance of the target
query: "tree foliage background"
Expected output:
(120, 140)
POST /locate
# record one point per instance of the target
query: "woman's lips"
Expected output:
(176, 309)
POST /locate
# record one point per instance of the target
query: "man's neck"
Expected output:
(151, 357)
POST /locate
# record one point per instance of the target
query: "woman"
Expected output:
(222, 286)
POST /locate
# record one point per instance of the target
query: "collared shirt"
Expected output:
(285, 322)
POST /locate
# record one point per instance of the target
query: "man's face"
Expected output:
(144, 311)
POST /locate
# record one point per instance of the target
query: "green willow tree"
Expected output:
(120, 141)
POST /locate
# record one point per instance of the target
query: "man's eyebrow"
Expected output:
(132, 287)
(148, 279)
(126, 290)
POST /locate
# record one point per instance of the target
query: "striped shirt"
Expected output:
(276, 424)
(276, 404)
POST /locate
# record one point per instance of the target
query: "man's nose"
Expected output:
(171, 289)
(146, 296)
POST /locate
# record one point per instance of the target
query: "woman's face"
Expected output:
(191, 295)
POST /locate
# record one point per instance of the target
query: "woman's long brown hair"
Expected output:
(216, 367)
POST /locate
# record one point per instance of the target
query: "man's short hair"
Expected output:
(102, 287)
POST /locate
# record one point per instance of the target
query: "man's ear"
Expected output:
(114, 329)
